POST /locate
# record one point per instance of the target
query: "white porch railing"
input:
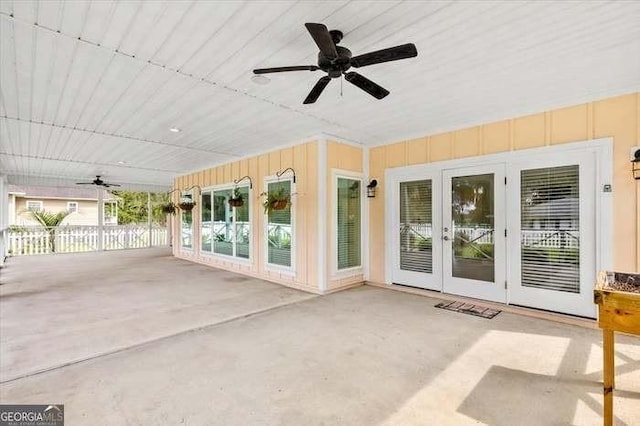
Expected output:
(72, 239)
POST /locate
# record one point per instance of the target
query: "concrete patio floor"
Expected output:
(139, 337)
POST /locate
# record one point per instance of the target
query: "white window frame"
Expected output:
(38, 202)
(285, 270)
(73, 203)
(356, 270)
(226, 257)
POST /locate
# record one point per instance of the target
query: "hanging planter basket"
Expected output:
(236, 202)
(279, 204)
(187, 206)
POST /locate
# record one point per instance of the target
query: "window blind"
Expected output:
(550, 228)
(416, 245)
(348, 224)
(279, 229)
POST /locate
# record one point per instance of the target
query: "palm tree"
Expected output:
(50, 221)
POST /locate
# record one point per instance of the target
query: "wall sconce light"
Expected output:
(371, 188)
(635, 162)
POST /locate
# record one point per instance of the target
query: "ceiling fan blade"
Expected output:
(107, 185)
(323, 39)
(385, 55)
(285, 69)
(84, 183)
(367, 85)
(317, 90)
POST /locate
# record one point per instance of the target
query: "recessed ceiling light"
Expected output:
(260, 79)
(122, 162)
(174, 130)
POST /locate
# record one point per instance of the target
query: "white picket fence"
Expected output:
(73, 239)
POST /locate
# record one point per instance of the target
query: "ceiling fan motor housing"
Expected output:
(335, 67)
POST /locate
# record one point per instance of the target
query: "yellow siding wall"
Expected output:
(349, 158)
(87, 211)
(617, 117)
(304, 160)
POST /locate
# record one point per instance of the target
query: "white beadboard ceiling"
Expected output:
(86, 85)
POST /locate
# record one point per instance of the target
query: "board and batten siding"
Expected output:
(303, 159)
(617, 117)
(340, 156)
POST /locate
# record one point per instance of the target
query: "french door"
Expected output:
(449, 232)
(520, 231)
(552, 212)
(473, 232)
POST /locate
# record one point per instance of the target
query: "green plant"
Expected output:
(168, 207)
(275, 200)
(50, 221)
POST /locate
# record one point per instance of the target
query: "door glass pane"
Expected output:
(416, 245)
(472, 227)
(348, 223)
(550, 228)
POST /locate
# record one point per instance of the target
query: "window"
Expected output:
(34, 205)
(226, 229)
(186, 228)
(280, 228)
(348, 223)
(72, 206)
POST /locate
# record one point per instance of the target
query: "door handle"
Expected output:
(446, 238)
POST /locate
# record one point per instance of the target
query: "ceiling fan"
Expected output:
(98, 182)
(337, 60)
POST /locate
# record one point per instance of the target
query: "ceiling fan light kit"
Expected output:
(337, 60)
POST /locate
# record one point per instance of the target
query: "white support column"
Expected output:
(100, 219)
(366, 215)
(149, 218)
(322, 214)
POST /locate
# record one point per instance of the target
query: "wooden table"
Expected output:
(618, 311)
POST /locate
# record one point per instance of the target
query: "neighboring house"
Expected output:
(82, 203)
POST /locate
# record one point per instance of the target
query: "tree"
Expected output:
(50, 221)
(132, 207)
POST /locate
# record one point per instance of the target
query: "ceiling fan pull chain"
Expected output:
(341, 81)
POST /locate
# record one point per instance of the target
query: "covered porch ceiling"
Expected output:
(94, 87)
